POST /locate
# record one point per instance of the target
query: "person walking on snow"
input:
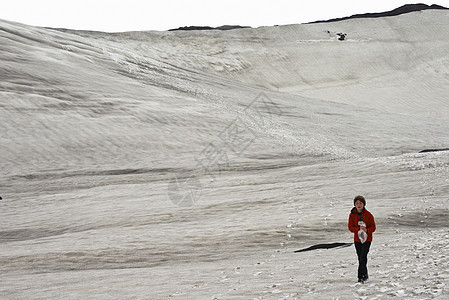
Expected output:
(361, 223)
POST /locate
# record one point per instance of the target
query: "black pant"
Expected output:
(362, 253)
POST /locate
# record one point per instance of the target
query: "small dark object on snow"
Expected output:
(324, 246)
(341, 36)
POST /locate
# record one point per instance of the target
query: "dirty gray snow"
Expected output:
(192, 164)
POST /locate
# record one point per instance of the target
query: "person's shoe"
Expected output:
(360, 280)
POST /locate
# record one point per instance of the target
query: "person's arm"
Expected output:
(352, 226)
(372, 225)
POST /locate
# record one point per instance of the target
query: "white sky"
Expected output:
(113, 15)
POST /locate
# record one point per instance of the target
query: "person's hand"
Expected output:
(363, 228)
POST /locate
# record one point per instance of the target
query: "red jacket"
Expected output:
(365, 216)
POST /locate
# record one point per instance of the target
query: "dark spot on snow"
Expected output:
(324, 246)
(433, 150)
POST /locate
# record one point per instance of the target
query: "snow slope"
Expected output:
(191, 165)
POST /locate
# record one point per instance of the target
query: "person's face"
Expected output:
(359, 205)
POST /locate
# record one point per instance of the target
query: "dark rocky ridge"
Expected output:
(224, 27)
(408, 8)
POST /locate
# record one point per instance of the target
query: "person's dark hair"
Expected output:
(361, 199)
